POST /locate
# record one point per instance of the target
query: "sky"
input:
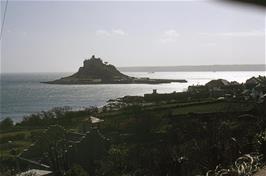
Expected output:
(49, 36)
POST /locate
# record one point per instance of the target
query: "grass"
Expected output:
(17, 141)
(212, 108)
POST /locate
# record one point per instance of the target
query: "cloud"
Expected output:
(119, 32)
(236, 34)
(169, 36)
(114, 32)
(171, 33)
(102, 33)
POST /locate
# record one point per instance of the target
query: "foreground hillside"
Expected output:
(210, 129)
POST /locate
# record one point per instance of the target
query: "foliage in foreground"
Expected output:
(160, 142)
(76, 170)
(245, 165)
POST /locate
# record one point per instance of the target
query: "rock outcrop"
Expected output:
(95, 71)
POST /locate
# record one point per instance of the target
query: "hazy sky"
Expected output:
(58, 36)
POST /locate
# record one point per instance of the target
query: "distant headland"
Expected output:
(95, 71)
(195, 68)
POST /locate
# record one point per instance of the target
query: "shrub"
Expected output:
(6, 124)
(76, 170)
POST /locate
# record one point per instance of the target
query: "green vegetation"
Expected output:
(5, 124)
(191, 143)
(193, 135)
(76, 170)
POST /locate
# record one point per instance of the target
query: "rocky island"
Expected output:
(95, 71)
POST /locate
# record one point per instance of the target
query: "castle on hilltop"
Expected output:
(92, 60)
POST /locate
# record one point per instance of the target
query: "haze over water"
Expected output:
(23, 94)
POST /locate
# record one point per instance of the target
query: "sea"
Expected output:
(23, 93)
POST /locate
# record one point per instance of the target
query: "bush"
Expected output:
(35, 135)
(261, 138)
(76, 170)
(6, 124)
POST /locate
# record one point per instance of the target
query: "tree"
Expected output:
(76, 170)
(7, 123)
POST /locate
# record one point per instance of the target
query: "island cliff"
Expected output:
(95, 71)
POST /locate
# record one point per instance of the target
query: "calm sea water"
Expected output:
(23, 94)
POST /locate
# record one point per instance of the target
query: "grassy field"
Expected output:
(212, 108)
(15, 142)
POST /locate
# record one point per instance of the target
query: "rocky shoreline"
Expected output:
(132, 81)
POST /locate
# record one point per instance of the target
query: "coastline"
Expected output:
(149, 120)
(47, 96)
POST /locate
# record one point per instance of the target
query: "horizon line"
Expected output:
(175, 66)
